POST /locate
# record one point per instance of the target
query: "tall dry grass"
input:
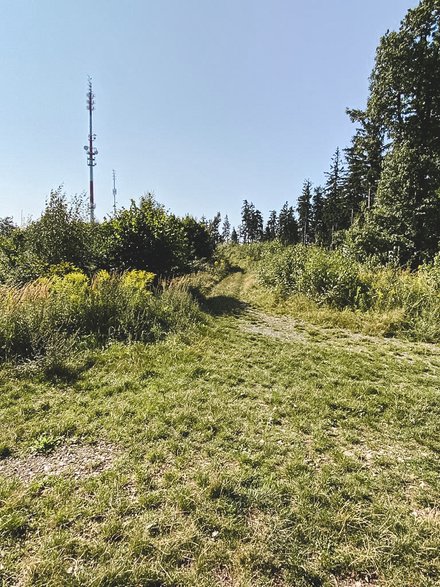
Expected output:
(48, 311)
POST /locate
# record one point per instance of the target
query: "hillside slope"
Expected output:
(258, 450)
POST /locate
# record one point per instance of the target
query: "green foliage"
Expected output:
(62, 233)
(402, 122)
(287, 225)
(7, 226)
(37, 318)
(368, 242)
(226, 230)
(144, 237)
(251, 228)
(60, 237)
(317, 216)
(408, 202)
(336, 280)
(46, 443)
(324, 276)
(335, 211)
(304, 209)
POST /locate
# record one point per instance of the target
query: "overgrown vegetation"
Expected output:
(145, 236)
(255, 450)
(48, 315)
(381, 197)
(408, 302)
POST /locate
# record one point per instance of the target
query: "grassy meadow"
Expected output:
(266, 442)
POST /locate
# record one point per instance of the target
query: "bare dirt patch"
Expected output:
(356, 582)
(280, 327)
(224, 577)
(77, 459)
(290, 329)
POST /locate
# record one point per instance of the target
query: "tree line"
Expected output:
(382, 193)
(143, 236)
(381, 196)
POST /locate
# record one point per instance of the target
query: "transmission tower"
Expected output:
(114, 192)
(90, 149)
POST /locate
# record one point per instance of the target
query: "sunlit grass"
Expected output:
(249, 452)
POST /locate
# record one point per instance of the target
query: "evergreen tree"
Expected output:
(304, 209)
(271, 230)
(364, 162)
(213, 228)
(226, 230)
(404, 106)
(234, 236)
(316, 220)
(251, 228)
(408, 203)
(246, 221)
(335, 212)
(287, 225)
(257, 226)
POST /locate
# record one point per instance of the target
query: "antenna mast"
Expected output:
(91, 150)
(114, 192)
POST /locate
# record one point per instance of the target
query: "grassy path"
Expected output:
(256, 451)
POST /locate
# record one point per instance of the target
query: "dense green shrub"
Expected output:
(107, 306)
(324, 276)
(144, 236)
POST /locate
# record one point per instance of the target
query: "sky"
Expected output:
(205, 103)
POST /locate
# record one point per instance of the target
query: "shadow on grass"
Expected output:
(224, 305)
(63, 372)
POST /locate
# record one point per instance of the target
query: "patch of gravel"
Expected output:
(77, 459)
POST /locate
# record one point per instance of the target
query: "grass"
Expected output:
(251, 452)
(331, 287)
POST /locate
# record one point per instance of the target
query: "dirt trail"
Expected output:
(254, 320)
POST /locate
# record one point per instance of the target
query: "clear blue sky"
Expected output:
(204, 102)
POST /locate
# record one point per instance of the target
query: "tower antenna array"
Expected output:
(91, 150)
(114, 192)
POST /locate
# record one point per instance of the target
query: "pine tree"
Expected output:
(287, 225)
(407, 209)
(226, 230)
(234, 236)
(304, 209)
(251, 228)
(335, 211)
(271, 230)
(213, 228)
(246, 221)
(404, 104)
(316, 220)
(257, 226)
(364, 162)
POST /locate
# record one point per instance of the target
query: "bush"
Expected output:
(407, 300)
(106, 307)
(145, 237)
(324, 276)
